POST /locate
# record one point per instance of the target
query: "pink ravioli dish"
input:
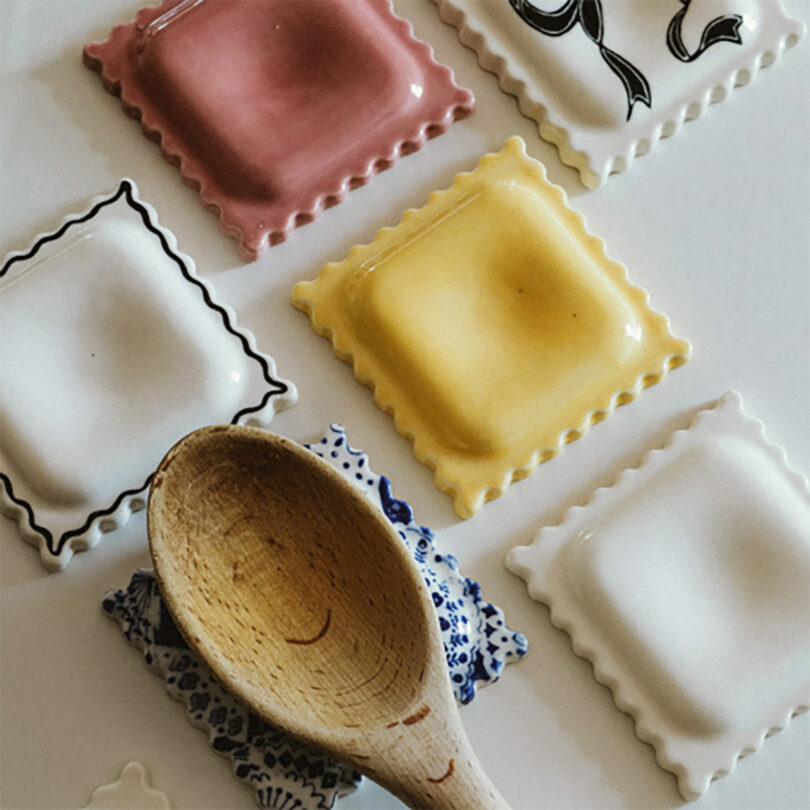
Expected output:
(274, 109)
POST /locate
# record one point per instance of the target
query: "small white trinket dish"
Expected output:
(687, 585)
(131, 791)
(606, 81)
(112, 350)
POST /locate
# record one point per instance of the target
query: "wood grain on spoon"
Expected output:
(305, 603)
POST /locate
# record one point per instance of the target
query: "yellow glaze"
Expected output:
(492, 325)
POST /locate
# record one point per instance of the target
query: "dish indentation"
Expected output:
(234, 91)
(687, 585)
(115, 349)
(492, 325)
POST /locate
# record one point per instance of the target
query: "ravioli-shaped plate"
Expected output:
(275, 110)
(113, 349)
(492, 325)
(686, 585)
(607, 81)
(283, 772)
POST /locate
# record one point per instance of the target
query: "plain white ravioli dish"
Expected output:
(686, 585)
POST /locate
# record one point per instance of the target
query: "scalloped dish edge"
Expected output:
(103, 521)
(567, 435)
(400, 148)
(531, 102)
(643, 728)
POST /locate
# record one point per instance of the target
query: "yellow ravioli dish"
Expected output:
(492, 326)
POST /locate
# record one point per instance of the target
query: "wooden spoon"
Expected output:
(305, 603)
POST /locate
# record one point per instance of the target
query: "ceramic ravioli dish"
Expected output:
(687, 585)
(492, 325)
(130, 791)
(113, 349)
(607, 81)
(274, 109)
(281, 771)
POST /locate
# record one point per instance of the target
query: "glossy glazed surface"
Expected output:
(275, 108)
(687, 585)
(525, 321)
(130, 790)
(492, 325)
(606, 81)
(114, 350)
(244, 83)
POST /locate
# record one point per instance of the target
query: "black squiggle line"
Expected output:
(277, 386)
(281, 387)
(255, 408)
(69, 535)
(26, 507)
(51, 237)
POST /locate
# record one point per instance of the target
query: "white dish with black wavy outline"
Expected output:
(113, 349)
(607, 83)
(686, 584)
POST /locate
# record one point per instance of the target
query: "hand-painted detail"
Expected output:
(315, 638)
(721, 29)
(276, 388)
(588, 13)
(417, 717)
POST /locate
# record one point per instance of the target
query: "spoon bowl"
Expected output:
(305, 603)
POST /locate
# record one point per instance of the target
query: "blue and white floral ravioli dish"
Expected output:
(282, 772)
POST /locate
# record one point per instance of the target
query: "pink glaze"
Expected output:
(274, 109)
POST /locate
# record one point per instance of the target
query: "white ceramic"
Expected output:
(131, 791)
(687, 585)
(607, 81)
(113, 349)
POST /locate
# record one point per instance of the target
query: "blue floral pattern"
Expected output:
(477, 641)
(284, 773)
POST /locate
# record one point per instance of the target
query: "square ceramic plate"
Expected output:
(687, 586)
(113, 349)
(607, 81)
(492, 325)
(234, 92)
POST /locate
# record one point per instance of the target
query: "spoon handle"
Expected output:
(434, 766)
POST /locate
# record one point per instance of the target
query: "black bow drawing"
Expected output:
(588, 13)
(720, 29)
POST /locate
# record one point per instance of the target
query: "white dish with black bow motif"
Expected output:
(607, 81)
(112, 350)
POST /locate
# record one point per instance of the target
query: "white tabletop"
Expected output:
(714, 224)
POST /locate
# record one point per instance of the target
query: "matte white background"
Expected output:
(714, 223)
